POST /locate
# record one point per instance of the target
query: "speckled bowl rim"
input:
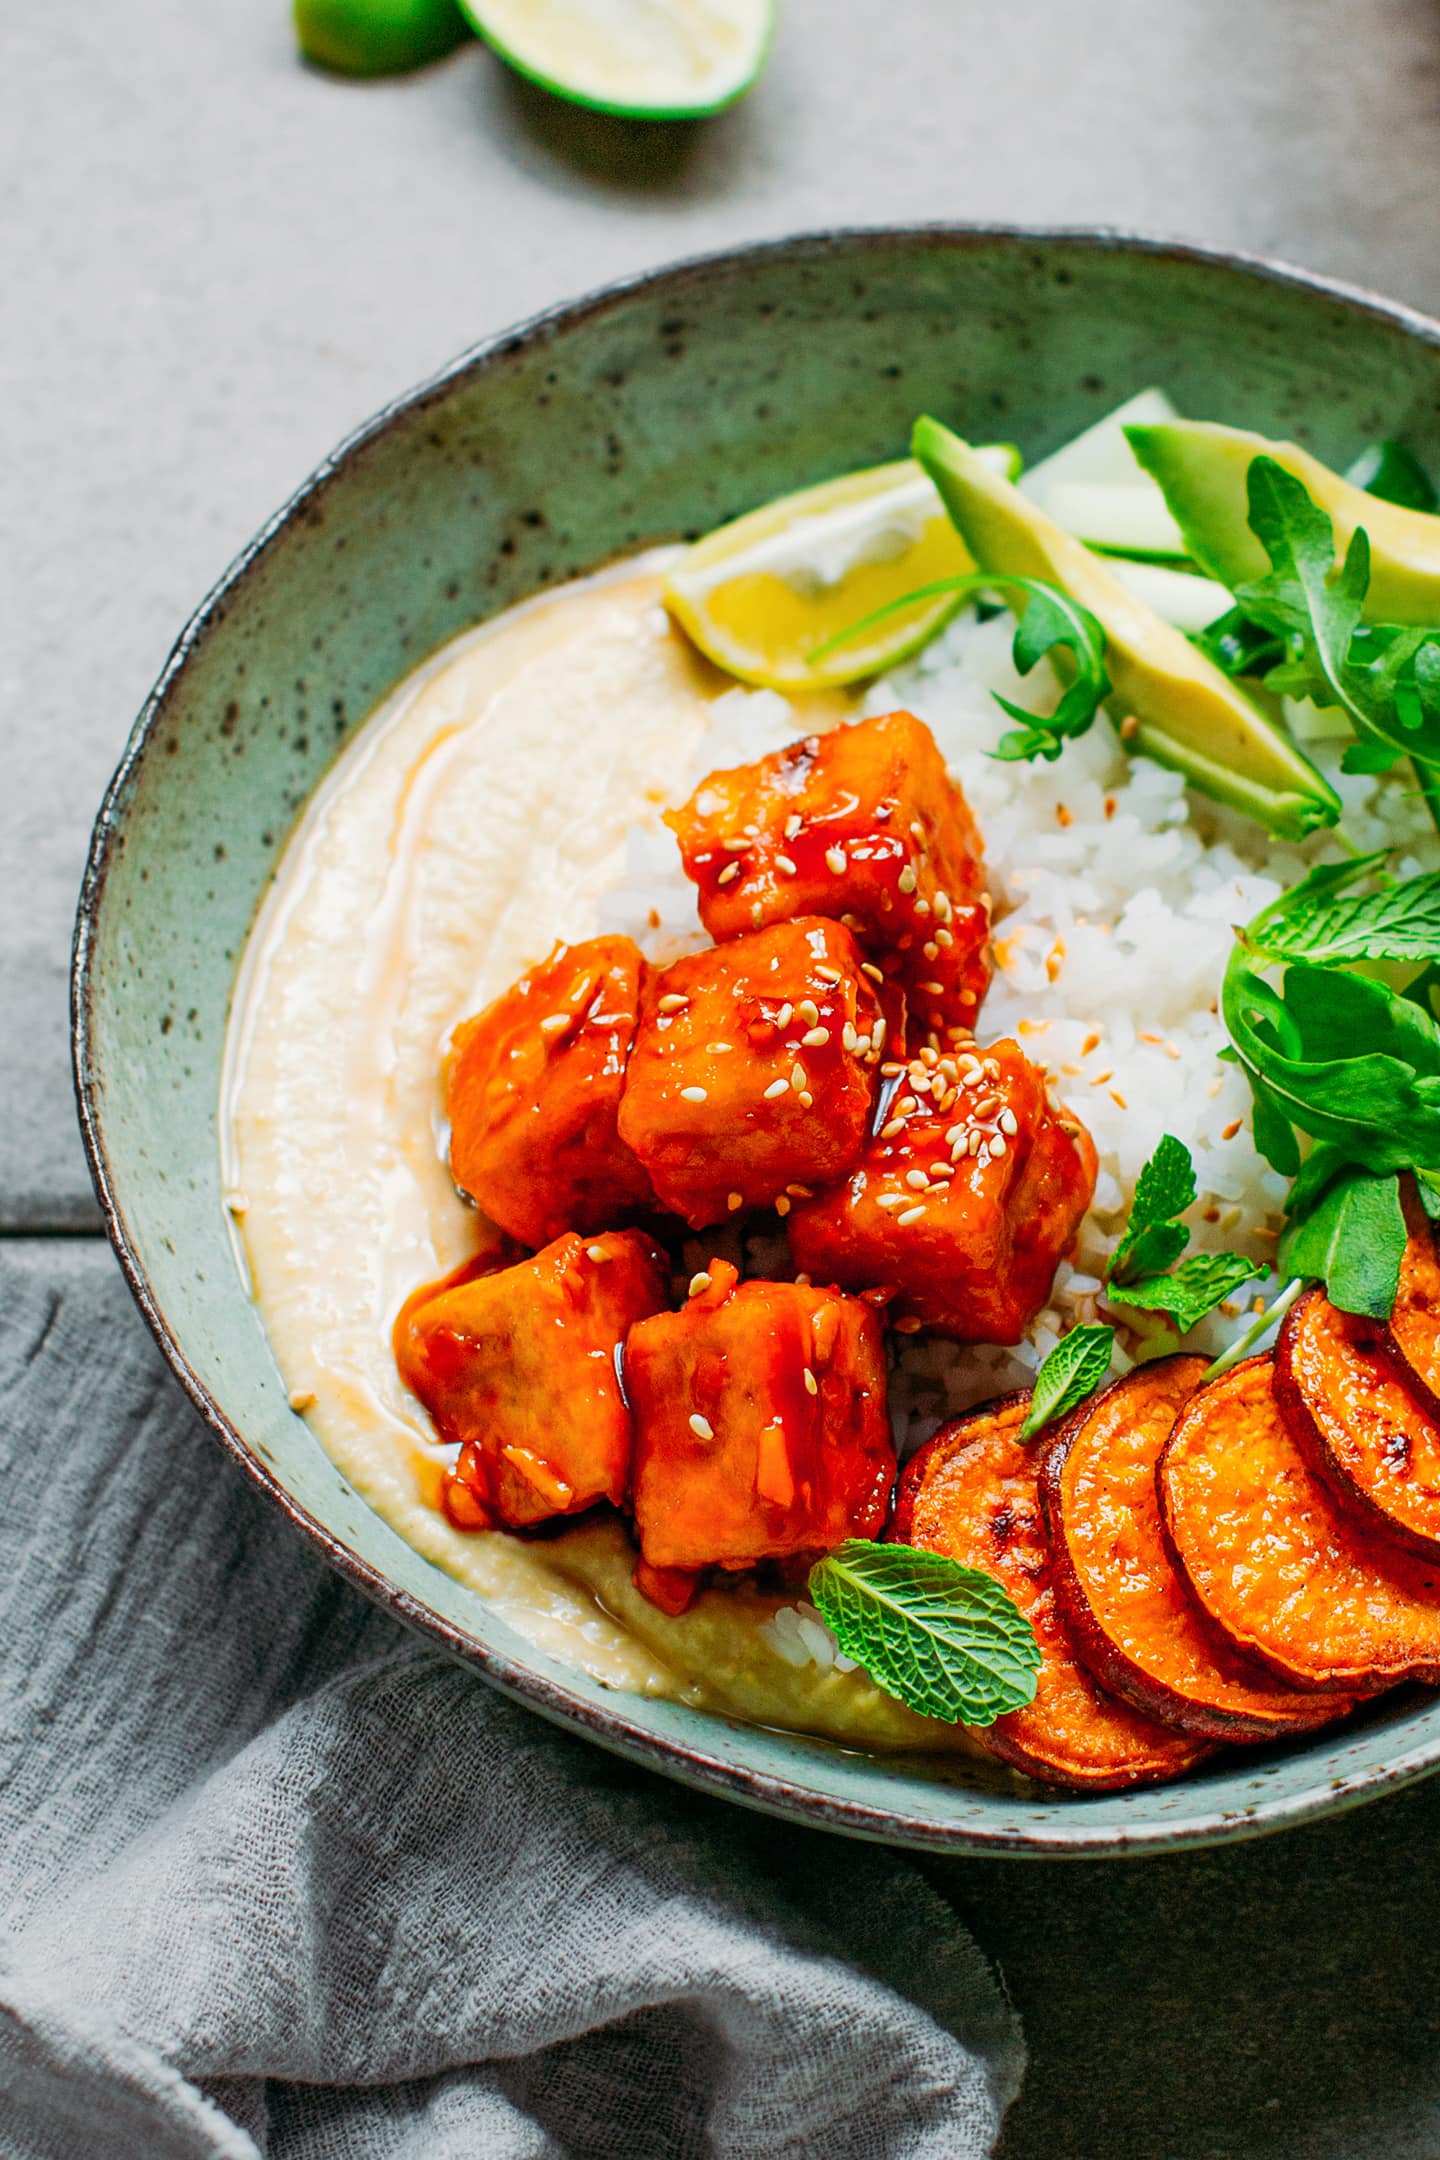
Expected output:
(611, 1726)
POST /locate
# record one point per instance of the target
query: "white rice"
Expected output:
(1115, 895)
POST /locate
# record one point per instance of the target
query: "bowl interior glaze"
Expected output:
(649, 412)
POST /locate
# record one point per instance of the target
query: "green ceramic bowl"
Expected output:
(650, 411)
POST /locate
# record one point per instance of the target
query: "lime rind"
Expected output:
(570, 93)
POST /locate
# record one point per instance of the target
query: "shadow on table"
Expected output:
(1271, 2001)
(664, 162)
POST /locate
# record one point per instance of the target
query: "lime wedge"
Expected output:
(762, 595)
(638, 59)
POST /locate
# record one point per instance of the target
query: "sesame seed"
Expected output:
(799, 1078)
(807, 1100)
(812, 1385)
(893, 1199)
(848, 1036)
(944, 939)
(552, 1021)
(809, 1011)
(596, 1252)
(976, 1141)
(908, 1326)
(933, 989)
(718, 1049)
(916, 1180)
(1129, 727)
(785, 1015)
(892, 1071)
(911, 1214)
(672, 1002)
(944, 907)
(956, 1134)
(701, 1426)
(793, 824)
(835, 860)
(930, 949)
(782, 1205)
(698, 1283)
(800, 1192)
(735, 1201)
(829, 974)
(729, 873)
(783, 862)
(896, 1125)
(942, 1171)
(1172, 1050)
(907, 880)
(1229, 1131)
(987, 1106)
(815, 1038)
(735, 847)
(917, 828)
(302, 1398)
(1008, 1123)
(868, 967)
(776, 1088)
(863, 1046)
(998, 1145)
(878, 1032)
(693, 1094)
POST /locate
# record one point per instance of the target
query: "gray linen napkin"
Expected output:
(281, 1882)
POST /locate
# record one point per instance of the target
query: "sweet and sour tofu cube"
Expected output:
(752, 1070)
(965, 1200)
(533, 1089)
(761, 1425)
(863, 824)
(519, 1364)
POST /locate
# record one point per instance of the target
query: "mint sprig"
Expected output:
(1142, 1271)
(1074, 1369)
(1322, 920)
(945, 1640)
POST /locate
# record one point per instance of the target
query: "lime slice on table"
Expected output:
(638, 59)
(377, 37)
(761, 595)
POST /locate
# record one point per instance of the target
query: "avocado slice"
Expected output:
(1187, 713)
(1203, 468)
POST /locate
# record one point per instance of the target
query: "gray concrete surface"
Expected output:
(216, 261)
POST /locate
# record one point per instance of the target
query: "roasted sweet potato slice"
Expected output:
(1358, 1425)
(1275, 1561)
(1412, 1339)
(1130, 1616)
(972, 1492)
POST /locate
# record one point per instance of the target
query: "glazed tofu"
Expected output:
(761, 1426)
(863, 824)
(967, 1197)
(753, 1070)
(533, 1090)
(519, 1365)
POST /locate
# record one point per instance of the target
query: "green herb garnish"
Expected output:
(944, 1639)
(1142, 1270)
(1073, 1370)
(1053, 623)
(1372, 1111)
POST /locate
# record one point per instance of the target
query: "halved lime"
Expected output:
(638, 59)
(760, 596)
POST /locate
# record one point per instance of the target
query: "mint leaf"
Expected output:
(1164, 1188)
(1073, 1370)
(946, 1640)
(1318, 920)
(1193, 1289)
(1352, 1240)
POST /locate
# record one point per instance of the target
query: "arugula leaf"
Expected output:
(1239, 646)
(946, 1640)
(1073, 1370)
(1427, 1186)
(1192, 1289)
(1053, 624)
(1352, 1240)
(1164, 1189)
(1274, 1134)
(1391, 473)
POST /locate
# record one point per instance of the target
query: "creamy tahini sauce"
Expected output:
(478, 817)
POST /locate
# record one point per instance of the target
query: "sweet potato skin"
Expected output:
(1130, 1616)
(1357, 1425)
(1279, 1567)
(1412, 1339)
(972, 1492)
